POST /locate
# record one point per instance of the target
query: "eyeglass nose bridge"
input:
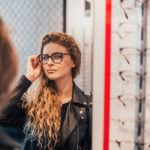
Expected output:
(50, 59)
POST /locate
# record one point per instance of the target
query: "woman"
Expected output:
(8, 71)
(8, 63)
(58, 112)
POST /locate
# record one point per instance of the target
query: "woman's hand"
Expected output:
(33, 68)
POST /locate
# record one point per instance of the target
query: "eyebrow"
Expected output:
(55, 52)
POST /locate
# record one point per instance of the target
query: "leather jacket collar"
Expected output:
(75, 112)
(78, 96)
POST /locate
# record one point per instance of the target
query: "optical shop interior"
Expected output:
(74, 75)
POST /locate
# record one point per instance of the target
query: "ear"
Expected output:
(73, 64)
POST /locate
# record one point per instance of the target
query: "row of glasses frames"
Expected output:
(127, 58)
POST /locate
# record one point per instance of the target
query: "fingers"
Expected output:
(33, 68)
(34, 61)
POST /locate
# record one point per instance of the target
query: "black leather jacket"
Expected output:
(75, 130)
(7, 143)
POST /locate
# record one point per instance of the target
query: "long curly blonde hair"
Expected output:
(42, 101)
(43, 105)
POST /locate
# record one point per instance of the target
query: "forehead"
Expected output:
(51, 48)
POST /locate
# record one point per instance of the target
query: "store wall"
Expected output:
(28, 21)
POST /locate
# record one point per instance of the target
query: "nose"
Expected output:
(50, 62)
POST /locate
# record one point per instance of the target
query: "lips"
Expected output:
(51, 70)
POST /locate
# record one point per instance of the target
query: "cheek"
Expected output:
(45, 67)
(66, 66)
(69, 63)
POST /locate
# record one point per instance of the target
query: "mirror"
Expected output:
(29, 21)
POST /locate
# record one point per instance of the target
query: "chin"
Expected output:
(52, 77)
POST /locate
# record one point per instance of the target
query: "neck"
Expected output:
(65, 87)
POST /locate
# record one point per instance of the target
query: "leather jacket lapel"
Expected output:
(74, 114)
(70, 123)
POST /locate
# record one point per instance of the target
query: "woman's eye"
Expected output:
(57, 56)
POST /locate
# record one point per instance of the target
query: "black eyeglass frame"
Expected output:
(52, 58)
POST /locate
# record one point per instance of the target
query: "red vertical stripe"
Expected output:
(107, 76)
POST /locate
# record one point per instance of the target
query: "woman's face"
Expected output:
(58, 69)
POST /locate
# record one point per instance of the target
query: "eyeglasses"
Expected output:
(56, 57)
(125, 104)
(124, 127)
(123, 144)
(124, 28)
(128, 5)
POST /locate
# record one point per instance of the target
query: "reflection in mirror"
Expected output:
(46, 109)
(79, 23)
